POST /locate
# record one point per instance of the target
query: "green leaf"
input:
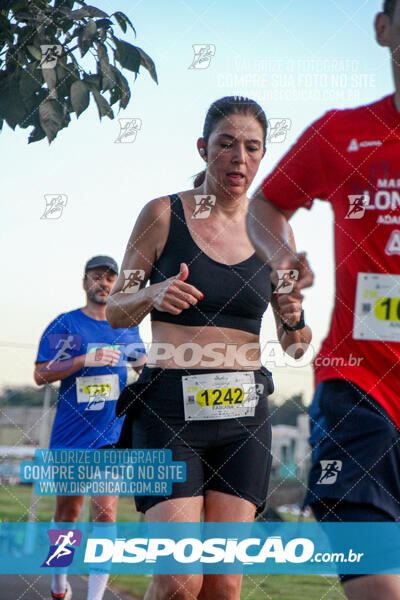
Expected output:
(86, 36)
(122, 16)
(147, 63)
(127, 55)
(51, 116)
(66, 75)
(50, 77)
(119, 17)
(103, 107)
(12, 109)
(104, 23)
(108, 79)
(30, 81)
(123, 85)
(87, 11)
(64, 3)
(79, 97)
(89, 31)
(93, 81)
(115, 95)
(83, 46)
(36, 53)
(36, 134)
(32, 104)
(5, 24)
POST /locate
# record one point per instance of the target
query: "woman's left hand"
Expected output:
(289, 307)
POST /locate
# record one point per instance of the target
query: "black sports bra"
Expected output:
(235, 296)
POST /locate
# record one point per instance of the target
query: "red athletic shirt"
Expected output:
(351, 158)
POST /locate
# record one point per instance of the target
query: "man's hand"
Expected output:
(292, 274)
(102, 357)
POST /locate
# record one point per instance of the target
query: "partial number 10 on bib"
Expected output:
(377, 307)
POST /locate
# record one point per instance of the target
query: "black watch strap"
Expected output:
(296, 327)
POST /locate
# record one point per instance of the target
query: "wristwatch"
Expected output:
(296, 327)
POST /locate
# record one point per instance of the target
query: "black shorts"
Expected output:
(355, 449)
(355, 473)
(226, 455)
(339, 511)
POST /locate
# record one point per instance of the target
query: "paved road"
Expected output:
(37, 587)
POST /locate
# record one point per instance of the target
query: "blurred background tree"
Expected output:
(43, 78)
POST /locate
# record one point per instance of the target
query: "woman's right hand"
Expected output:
(174, 295)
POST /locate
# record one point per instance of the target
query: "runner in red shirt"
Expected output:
(350, 158)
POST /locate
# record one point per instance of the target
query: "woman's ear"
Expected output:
(201, 147)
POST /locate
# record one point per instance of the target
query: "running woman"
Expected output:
(350, 158)
(207, 295)
(80, 349)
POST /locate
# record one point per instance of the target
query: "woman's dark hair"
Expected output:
(389, 8)
(230, 105)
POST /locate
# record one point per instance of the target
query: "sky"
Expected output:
(298, 59)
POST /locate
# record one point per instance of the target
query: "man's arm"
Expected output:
(268, 229)
(270, 233)
(50, 371)
(296, 181)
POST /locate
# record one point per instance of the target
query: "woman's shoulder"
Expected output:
(157, 207)
(158, 210)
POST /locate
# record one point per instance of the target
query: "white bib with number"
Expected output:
(219, 395)
(377, 307)
(96, 390)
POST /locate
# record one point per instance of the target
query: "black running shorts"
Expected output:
(226, 455)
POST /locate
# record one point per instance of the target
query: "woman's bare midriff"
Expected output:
(183, 347)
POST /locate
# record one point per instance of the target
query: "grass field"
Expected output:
(14, 506)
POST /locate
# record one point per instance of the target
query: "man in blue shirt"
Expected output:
(81, 349)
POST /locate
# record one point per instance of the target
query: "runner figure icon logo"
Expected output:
(204, 205)
(133, 279)
(277, 130)
(286, 280)
(62, 547)
(357, 204)
(55, 204)
(203, 54)
(330, 471)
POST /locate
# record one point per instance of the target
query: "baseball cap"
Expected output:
(102, 261)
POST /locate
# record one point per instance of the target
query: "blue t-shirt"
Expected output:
(85, 416)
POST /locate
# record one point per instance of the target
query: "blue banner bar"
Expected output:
(146, 548)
